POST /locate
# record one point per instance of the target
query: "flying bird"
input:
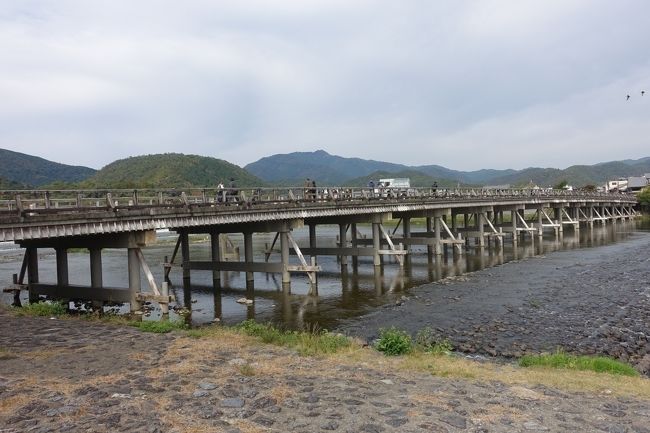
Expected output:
(642, 92)
(628, 98)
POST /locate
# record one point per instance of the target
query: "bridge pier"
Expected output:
(215, 256)
(134, 279)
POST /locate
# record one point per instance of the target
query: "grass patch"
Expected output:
(314, 342)
(160, 327)
(598, 364)
(393, 342)
(43, 309)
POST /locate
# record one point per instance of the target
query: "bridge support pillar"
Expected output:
(513, 218)
(312, 239)
(481, 229)
(376, 243)
(430, 248)
(248, 257)
(540, 223)
(353, 239)
(436, 231)
(215, 255)
(96, 276)
(62, 278)
(185, 256)
(406, 230)
(343, 240)
(284, 254)
(32, 271)
(134, 278)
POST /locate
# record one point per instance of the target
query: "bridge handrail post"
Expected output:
(78, 199)
(135, 197)
(46, 198)
(19, 204)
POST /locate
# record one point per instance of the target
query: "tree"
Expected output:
(561, 185)
(644, 198)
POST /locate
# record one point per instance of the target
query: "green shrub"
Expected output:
(560, 359)
(45, 308)
(393, 342)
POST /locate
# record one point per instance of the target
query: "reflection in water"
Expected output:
(343, 291)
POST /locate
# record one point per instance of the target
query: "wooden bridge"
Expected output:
(128, 219)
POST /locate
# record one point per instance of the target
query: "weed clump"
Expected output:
(561, 359)
(393, 342)
(427, 341)
(160, 327)
(44, 309)
(305, 342)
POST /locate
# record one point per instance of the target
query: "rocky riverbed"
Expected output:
(586, 301)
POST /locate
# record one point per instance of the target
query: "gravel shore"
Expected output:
(585, 301)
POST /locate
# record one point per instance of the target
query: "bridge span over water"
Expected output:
(128, 219)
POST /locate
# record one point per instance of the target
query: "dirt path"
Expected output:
(78, 376)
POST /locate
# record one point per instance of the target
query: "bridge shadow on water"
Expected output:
(345, 292)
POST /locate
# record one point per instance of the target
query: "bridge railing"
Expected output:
(54, 201)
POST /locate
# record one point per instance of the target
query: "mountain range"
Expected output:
(18, 170)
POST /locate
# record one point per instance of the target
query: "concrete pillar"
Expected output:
(32, 271)
(343, 239)
(481, 228)
(353, 239)
(406, 230)
(540, 223)
(62, 267)
(436, 231)
(248, 256)
(376, 243)
(284, 254)
(215, 253)
(513, 218)
(96, 276)
(560, 219)
(134, 278)
(312, 237)
(430, 248)
(185, 256)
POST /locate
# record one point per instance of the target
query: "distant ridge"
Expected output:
(336, 170)
(34, 171)
(169, 170)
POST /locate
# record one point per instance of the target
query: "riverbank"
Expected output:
(586, 301)
(73, 375)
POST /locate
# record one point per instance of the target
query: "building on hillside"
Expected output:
(618, 185)
(637, 183)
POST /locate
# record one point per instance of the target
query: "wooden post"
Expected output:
(32, 271)
(353, 239)
(134, 278)
(436, 230)
(513, 217)
(284, 254)
(185, 256)
(376, 243)
(248, 257)
(430, 248)
(343, 240)
(215, 250)
(62, 267)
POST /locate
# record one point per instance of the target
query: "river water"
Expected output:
(341, 295)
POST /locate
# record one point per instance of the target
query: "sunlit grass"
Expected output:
(598, 364)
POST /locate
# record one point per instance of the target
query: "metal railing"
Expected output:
(26, 202)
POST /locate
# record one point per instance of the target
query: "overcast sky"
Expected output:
(463, 84)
